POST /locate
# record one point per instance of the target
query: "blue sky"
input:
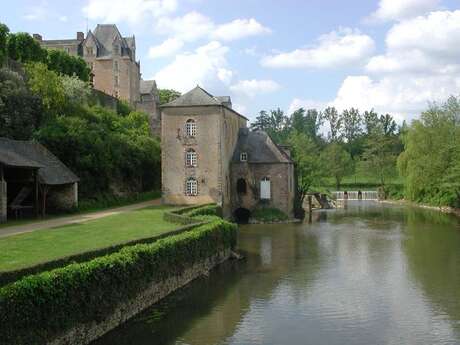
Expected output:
(393, 56)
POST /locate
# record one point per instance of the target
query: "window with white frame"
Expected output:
(116, 81)
(115, 66)
(243, 157)
(190, 128)
(191, 187)
(190, 158)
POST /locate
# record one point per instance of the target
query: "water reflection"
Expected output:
(368, 274)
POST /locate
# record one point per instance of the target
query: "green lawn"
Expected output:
(28, 249)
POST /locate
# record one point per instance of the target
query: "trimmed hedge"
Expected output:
(191, 214)
(38, 308)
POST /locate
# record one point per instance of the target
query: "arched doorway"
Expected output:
(242, 215)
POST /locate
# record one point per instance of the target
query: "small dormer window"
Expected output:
(89, 51)
(116, 49)
(243, 157)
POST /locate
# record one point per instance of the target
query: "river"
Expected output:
(370, 274)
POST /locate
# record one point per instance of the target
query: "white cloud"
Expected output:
(167, 48)
(239, 28)
(336, 49)
(132, 11)
(42, 12)
(194, 25)
(403, 97)
(189, 27)
(426, 44)
(437, 33)
(206, 66)
(254, 87)
(63, 19)
(298, 103)
(420, 65)
(402, 9)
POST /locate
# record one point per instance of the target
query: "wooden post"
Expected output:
(37, 201)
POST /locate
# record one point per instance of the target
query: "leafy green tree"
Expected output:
(371, 122)
(351, 119)
(168, 95)
(307, 161)
(337, 162)
(61, 62)
(4, 30)
(262, 121)
(335, 122)
(20, 110)
(388, 124)
(379, 158)
(24, 48)
(76, 91)
(431, 157)
(48, 86)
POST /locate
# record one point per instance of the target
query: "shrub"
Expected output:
(40, 307)
(268, 214)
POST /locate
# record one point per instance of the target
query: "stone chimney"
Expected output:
(38, 37)
(80, 36)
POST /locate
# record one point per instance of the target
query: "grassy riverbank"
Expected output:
(29, 249)
(81, 301)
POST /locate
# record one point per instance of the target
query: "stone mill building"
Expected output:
(209, 155)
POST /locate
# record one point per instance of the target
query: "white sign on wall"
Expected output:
(265, 189)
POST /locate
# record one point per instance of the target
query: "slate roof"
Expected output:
(196, 96)
(68, 41)
(259, 147)
(146, 86)
(30, 154)
(105, 34)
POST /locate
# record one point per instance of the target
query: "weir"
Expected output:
(355, 195)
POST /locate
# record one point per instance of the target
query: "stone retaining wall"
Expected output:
(86, 333)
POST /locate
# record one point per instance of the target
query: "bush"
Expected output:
(268, 214)
(40, 307)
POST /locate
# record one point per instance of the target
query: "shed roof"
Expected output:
(31, 154)
(260, 148)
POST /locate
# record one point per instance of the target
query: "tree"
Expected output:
(351, 120)
(24, 48)
(379, 158)
(262, 121)
(431, 157)
(48, 86)
(61, 62)
(371, 122)
(307, 164)
(388, 124)
(337, 163)
(168, 95)
(76, 91)
(3, 43)
(332, 117)
(20, 110)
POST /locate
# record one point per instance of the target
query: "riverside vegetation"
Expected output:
(419, 162)
(40, 307)
(46, 95)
